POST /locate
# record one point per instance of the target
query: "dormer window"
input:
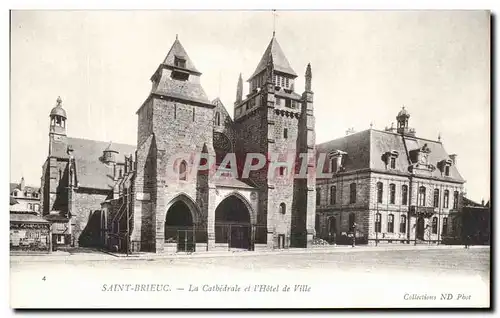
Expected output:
(179, 62)
(444, 166)
(390, 158)
(336, 160)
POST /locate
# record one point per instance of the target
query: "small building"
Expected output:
(28, 230)
(472, 224)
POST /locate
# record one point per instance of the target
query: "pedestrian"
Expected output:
(467, 241)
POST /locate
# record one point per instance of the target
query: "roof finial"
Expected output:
(439, 136)
(274, 22)
(371, 125)
(59, 101)
(177, 36)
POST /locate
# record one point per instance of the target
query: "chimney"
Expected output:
(22, 184)
(453, 158)
(482, 202)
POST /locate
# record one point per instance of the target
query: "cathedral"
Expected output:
(380, 186)
(123, 197)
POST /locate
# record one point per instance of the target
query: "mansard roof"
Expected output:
(280, 62)
(91, 171)
(365, 150)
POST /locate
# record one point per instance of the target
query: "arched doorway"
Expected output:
(233, 224)
(179, 227)
(420, 228)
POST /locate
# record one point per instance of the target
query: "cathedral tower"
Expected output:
(174, 124)
(268, 121)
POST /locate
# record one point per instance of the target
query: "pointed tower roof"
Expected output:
(110, 148)
(279, 60)
(177, 50)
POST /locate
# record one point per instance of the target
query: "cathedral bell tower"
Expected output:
(175, 123)
(273, 120)
(57, 130)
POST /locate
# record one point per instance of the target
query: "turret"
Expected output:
(109, 155)
(58, 119)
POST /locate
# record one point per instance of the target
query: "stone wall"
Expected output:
(86, 202)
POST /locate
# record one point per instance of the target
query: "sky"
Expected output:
(366, 65)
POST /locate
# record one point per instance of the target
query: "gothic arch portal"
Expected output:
(183, 202)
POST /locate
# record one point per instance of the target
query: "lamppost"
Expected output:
(354, 234)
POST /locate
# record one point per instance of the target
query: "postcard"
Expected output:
(250, 159)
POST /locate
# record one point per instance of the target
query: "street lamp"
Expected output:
(354, 234)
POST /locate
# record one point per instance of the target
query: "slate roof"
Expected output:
(91, 172)
(280, 62)
(27, 218)
(291, 95)
(231, 183)
(30, 189)
(366, 148)
(187, 90)
(470, 203)
(177, 50)
(182, 90)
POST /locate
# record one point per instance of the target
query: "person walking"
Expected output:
(467, 241)
(354, 234)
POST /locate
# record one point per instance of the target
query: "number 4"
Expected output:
(43, 278)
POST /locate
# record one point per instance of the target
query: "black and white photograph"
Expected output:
(192, 159)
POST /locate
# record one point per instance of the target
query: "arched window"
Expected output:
(445, 226)
(402, 224)
(333, 195)
(436, 198)
(393, 163)
(352, 194)
(421, 196)
(282, 208)
(183, 170)
(217, 119)
(455, 200)
(404, 194)
(390, 223)
(352, 220)
(434, 225)
(392, 198)
(318, 196)
(380, 192)
(446, 199)
(378, 222)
